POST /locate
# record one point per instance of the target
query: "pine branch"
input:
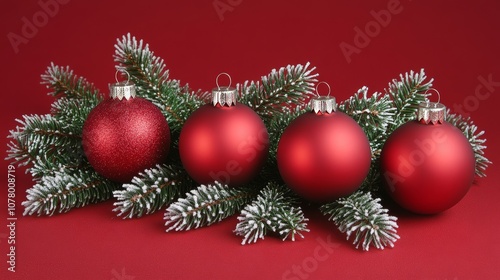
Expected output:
(280, 90)
(18, 150)
(63, 160)
(53, 142)
(151, 190)
(407, 93)
(41, 136)
(363, 216)
(275, 209)
(77, 97)
(470, 130)
(64, 83)
(73, 112)
(148, 72)
(206, 205)
(275, 128)
(67, 190)
(374, 114)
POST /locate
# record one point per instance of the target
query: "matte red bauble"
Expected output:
(125, 135)
(323, 154)
(223, 141)
(428, 164)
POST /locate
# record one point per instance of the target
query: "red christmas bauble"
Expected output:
(124, 137)
(428, 166)
(323, 156)
(224, 143)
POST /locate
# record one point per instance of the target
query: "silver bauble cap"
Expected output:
(122, 90)
(224, 96)
(431, 112)
(323, 104)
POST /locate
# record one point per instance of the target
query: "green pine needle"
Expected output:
(274, 210)
(65, 190)
(363, 216)
(148, 72)
(151, 190)
(66, 84)
(375, 114)
(206, 205)
(73, 112)
(407, 93)
(41, 135)
(470, 130)
(279, 91)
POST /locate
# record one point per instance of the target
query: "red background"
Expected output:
(456, 42)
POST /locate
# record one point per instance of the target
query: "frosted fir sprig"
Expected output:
(76, 97)
(64, 83)
(475, 137)
(147, 71)
(41, 135)
(364, 217)
(52, 142)
(206, 205)
(279, 91)
(151, 77)
(374, 113)
(63, 191)
(274, 210)
(72, 111)
(407, 93)
(151, 190)
(65, 160)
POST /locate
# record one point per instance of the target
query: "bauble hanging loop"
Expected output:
(224, 96)
(323, 104)
(121, 90)
(431, 112)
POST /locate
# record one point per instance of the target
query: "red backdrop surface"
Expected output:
(456, 42)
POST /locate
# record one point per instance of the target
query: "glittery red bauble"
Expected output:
(427, 168)
(124, 137)
(228, 144)
(323, 156)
